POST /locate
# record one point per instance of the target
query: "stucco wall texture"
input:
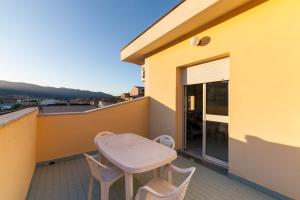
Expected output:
(262, 44)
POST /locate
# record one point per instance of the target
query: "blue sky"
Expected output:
(73, 43)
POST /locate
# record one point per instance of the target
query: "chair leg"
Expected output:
(90, 191)
(167, 176)
(104, 191)
(170, 177)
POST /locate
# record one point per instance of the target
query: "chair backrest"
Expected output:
(176, 194)
(184, 185)
(166, 140)
(103, 133)
(95, 167)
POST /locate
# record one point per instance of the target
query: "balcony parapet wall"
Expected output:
(17, 152)
(66, 134)
(11, 117)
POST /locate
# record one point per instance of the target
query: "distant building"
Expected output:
(46, 102)
(136, 92)
(106, 102)
(28, 102)
(19, 97)
(7, 103)
(16, 102)
(125, 96)
(94, 102)
(80, 101)
(6, 106)
(65, 108)
(7, 100)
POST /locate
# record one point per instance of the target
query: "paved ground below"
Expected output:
(68, 180)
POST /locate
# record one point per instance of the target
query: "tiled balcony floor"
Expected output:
(69, 180)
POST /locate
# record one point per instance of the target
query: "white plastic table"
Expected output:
(134, 154)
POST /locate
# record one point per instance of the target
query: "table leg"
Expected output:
(157, 173)
(129, 186)
(170, 177)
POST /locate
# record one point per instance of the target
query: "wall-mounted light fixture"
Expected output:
(196, 41)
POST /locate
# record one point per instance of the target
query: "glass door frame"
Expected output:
(212, 118)
(184, 109)
(205, 118)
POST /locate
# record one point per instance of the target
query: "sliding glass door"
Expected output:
(193, 116)
(215, 117)
(206, 121)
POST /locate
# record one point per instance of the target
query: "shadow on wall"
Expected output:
(272, 165)
(269, 164)
(162, 120)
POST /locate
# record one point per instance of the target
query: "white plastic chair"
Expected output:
(160, 189)
(102, 134)
(106, 175)
(166, 140)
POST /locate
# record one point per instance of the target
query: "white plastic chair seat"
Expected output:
(105, 174)
(112, 174)
(159, 185)
(160, 189)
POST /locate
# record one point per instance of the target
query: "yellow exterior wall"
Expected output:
(34, 138)
(18, 157)
(69, 134)
(263, 45)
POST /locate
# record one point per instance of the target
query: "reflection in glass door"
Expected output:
(215, 118)
(194, 122)
(206, 121)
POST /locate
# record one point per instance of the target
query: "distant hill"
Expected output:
(14, 88)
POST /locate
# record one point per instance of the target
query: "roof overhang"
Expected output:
(183, 19)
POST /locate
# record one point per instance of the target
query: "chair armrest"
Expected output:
(143, 191)
(100, 158)
(171, 167)
(96, 156)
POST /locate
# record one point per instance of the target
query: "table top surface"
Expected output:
(133, 153)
